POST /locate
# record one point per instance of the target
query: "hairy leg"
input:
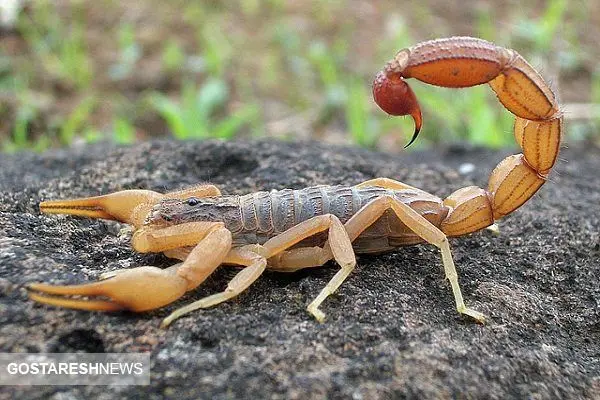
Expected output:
(422, 227)
(255, 265)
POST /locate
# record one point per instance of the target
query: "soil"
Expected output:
(391, 330)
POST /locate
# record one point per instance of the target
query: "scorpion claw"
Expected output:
(125, 206)
(89, 305)
(138, 289)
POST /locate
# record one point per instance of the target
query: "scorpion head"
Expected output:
(176, 211)
(166, 212)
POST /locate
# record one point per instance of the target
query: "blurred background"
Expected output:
(74, 72)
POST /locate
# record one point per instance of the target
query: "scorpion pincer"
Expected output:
(292, 229)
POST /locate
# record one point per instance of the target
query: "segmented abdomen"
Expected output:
(266, 214)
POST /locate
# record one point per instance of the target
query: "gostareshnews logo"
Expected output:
(74, 368)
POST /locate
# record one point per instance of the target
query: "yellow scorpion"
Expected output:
(288, 230)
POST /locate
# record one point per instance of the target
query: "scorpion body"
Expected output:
(292, 229)
(254, 218)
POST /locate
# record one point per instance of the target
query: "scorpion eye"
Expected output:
(192, 201)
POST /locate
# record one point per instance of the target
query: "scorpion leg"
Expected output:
(422, 227)
(385, 183)
(147, 288)
(253, 257)
(179, 253)
(340, 245)
(255, 265)
(315, 256)
(303, 257)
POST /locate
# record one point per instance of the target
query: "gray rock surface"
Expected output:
(391, 330)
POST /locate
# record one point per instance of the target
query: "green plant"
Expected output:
(20, 138)
(485, 23)
(129, 53)
(195, 115)
(60, 45)
(76, 120)
(173, 56)
(123, 131)
(23, 109)
(472, 114)
(541, 31)
(216, 49)
(319, 73)
(328, 65)
(363, 126)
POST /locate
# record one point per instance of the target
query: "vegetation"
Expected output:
(73, 71)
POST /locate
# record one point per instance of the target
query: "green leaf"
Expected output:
(357, 114)
(212, 94)
(171, 113)
(227, 128)
(76, 120)
(123, 131)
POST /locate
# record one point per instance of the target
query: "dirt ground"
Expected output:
(391, 330)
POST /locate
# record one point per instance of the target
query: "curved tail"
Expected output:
(462, 62)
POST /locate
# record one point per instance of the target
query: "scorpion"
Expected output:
(288, 230)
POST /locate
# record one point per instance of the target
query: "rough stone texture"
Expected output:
(391, 330)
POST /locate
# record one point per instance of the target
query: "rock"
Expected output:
(391, 330)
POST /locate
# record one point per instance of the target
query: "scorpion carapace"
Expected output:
(292, 229)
